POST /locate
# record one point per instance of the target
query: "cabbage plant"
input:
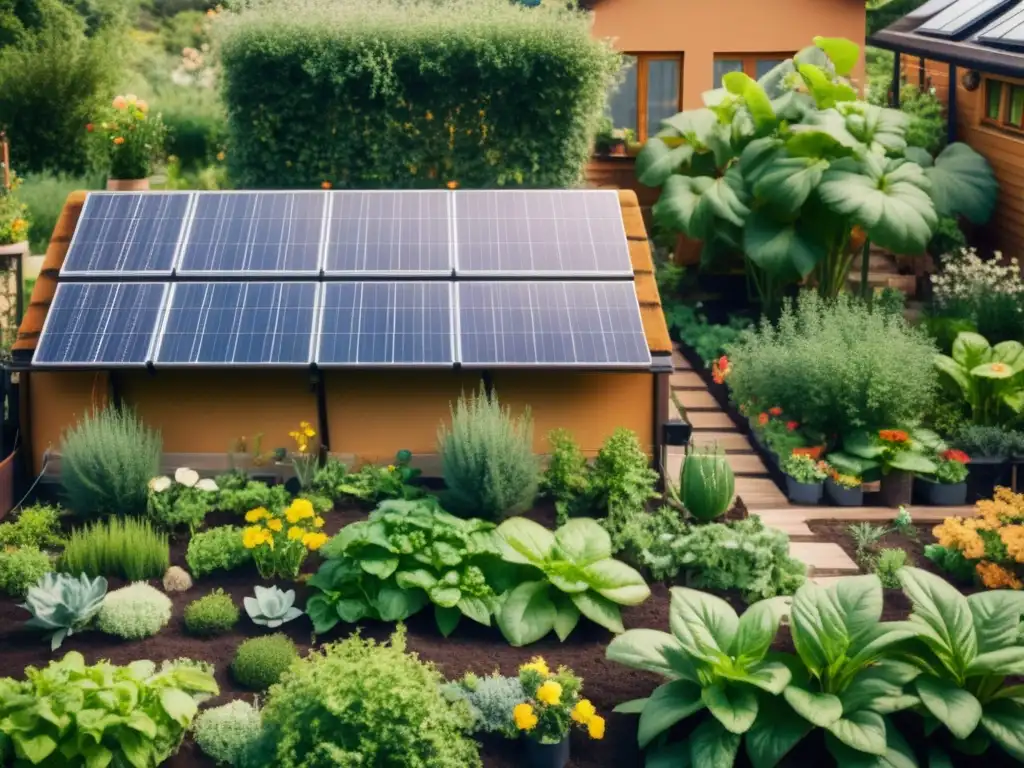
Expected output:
(62, 604)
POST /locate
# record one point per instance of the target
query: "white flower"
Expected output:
(187, 477)
(206, 484)
(159, 484)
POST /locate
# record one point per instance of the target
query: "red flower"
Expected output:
(88, 127)
(776, 411)
(720, 369)
(958, 456)
(792, 426)
(893, 435)
(762, 419)
(813, 451)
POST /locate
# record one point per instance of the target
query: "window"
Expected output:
(650, 92)
(755, 65)
(1004, 104)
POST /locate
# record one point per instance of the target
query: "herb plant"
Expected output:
(225, 733)
(371, 483)
(271, 607)
(73, 714)
(61, 604)
(134, 612)
(492, 700)
(128, 548)
(21, 567)
(572, 573)
(212, 614)
(982, 442)
(566, 479)
(866, 537)
(886, 565)
(260, 661)
(35, 526)
(252, 495)
(621, 482)
(219, 548)
(804, 469)
(950, 471)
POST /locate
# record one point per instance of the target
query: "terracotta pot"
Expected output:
(127, 185)
(897, 488)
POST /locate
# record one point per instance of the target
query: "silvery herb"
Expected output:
(62, 604)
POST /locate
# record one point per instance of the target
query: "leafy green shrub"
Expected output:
(642, 529)
(370, 483)
(621, 482)
(213, 614)
(123, 547)
(44, 194)
(196, 124)
(185, 500)
(535, 87)
(566, 477)
(259, 662)
(225, 733)
(951, 561)
(250, 496)
(61, 604)
(134, 612)
(835, 367)
(889, 561)
(406, 554)
(107, 461)
(928, 124)
(360, 701)
(219, 548)
(131, 715)
(487, 459)
(20, 568)
(35, 526)
(984, 442)
(491, 700)
(744, 555)
(709, 340)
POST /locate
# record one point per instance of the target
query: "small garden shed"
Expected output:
(222, 315)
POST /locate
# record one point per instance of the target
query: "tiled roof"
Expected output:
(655, 329)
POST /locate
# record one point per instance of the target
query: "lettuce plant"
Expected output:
(73, 714)
(713, 660)
(63, 604)
(967, 647)
(573, 573)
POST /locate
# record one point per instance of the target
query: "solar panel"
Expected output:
(262, 233)
(959, 17)
(389, 233)
(930, 8)
(100, 323)
(233, 323)
(590, 323)
(540, 232)
(127, 234)
(375, 323)
(1007, 31)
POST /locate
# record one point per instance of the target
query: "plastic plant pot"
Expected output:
(547, 755)
(896, 488)
(984, 474)
(804, 493)
(943, 494)
(844, 497)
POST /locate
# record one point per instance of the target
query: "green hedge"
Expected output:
(412, 94)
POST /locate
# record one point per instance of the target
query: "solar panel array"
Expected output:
(1006, 31)
(348, 279)
(961, 16)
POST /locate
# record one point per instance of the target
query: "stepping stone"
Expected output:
(822, 556)
(680, 363)
(707, 420)
(792, 528)
(727, 440)
(686, 380)
(697, 399)
(747, 464)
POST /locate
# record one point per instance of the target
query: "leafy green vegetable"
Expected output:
(990, 379)
(370, 483)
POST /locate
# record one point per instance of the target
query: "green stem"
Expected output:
(864, 269)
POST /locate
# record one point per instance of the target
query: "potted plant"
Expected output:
(804, 478)
(989, 448)
(14, 223)
(132, 139)
(552, 705)
(899, 454)
(844, 490)
(609, 140)
(949, 486)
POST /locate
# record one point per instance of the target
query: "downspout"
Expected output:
(951, 115)
(920, 73)
(317, 380)
(897, 77)
(661, 395)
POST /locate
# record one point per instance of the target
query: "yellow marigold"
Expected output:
(255, 515)
(318, 522)
(313, 541)
(221, 156)
(595, 727)
(299, 509)
(275, 525)
(537, 664)
(252, 536)
(583, 711)
(550, 693)
(1013, 537)
(295, 533)
(995, 576)
(524, 717)
(391, 467)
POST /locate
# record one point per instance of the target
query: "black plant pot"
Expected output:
(984, 474)
(547, 755)
(896, 488)
(844, 497)
(803, 493)
(943, 494)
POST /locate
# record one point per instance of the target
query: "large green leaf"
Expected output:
(675, 754)
(888, 199)
(841, 52)
(943, 614)
(476, 609)
(567, 616)
(787, 182)
(781, 249)
(826, 91)
(963, 184)
(599, 610)
(909, 461)
(996, 616)
(822, 709)
(957, 373)
(379, 564)
(775, 732)
(769, 676)
(178, 705)
(525, 542)
(647, 649)
(447, 619)
(823, 134)
(394, 604)
(757, 629)
(864, 731)
(618, 582)
(419, 578)
(850, 465)
(1005, 661)
(817, 627)
(898, 753)
(583, 541)
(992, 371)
(734, 706)
(657, 161)
(881, 688)
(882, 129)
(954, 707)
(862, 444)
(753, 95)
(859, 600)
(527, 613)
(670, 703)
(1011, 353)
(1004, 721)
(971, 350)
(711, 746)
(704, 624)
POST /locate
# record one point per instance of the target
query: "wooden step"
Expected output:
(716, 420)
(729, 441)
(905, 283)
(743, 464)
(759, 492)
(686, 380)
(697, 400)
(680, 363)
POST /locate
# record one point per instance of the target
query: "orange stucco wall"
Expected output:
(371, 414)
(701, 29)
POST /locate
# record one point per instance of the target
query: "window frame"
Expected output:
(1000, 123)
(642, 74)
(749, 61)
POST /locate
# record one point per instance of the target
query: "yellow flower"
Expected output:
(595, 727)
(275, 525)
(429, 115)
(550, 693)
(524, 717)
(299, 509)
(252, 536)
(318, 522)
(220, 156)
(255, 515)
(537, 664)
(313, 541)
(295, 533)
(391, 467)
(307, 429)
(583, 711)
(995, 576)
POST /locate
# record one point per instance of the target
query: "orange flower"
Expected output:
(720, 369)
(776, 411)
(762, 419)
(119, 103)
(142, 105)
(792, 426)
(325, 184)
(956, 455)
(893, 435)
(453, 185)
(88, 127)
(813, 451)
(995, 576)
(119, 140)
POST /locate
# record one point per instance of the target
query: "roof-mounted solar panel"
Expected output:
(101, 324)
(958, 19)
(371, 324)
(127, 234)
(531, 233)
(380, 233)
(930, 8)
(1006, 31)
(254, 233)
(594, 324)
(238, 324)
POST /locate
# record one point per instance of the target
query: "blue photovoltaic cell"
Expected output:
(127, 233)
(533, 232)
(551, 323)
(257, 232)
(1006, 32)
(389, 233)
(961, 16)
(100, 323)
(238, 324)
(373, 323)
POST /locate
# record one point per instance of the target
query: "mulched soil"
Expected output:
(471, 648)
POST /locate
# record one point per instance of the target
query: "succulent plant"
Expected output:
(61, 604)
(707, 484)
(177, 580)
(271, 607)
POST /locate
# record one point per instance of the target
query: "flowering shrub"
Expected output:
(280, 539)
(844, 481)
(992, 543)
(303, 459)
(186, 500)
(804, 469)
(951, 468)
(987, 295)
(132, 138)
(553, 704)
(888, 450)
(14, 223)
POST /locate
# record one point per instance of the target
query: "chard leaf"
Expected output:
(650, 650)
(379, 564)
(527, 614)
(1004, 721)
(881, 688)
(704, 624)
(822, 709)
(954, 707)
(447, 619)
(567, 616)
(178, 705)
(996, 614)
(445, 597)
(859, 599)
(898, 753)
(526, 542)
(420, 578)
(757, 628)
(864, 731)
(819, 634)
(670, 703)
(475, 608)
(735, 706)
(944, 612)
(394, 604)
(34, 748)
(599, 610)
(617, 582)
(711, 746)
(583, 541)
(775, 732)
(1005, 661)
(770, 676)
